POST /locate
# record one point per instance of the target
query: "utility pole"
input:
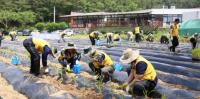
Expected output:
(54, 14)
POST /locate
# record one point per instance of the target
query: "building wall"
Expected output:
(123, 21)
(191, 15)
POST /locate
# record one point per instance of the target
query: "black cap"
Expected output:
(70, 44)
(87, 50)
(177, 20)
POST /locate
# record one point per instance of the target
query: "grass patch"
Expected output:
(19, 38)
(80, 36)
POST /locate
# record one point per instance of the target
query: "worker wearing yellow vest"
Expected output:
(112, 37)
(116, 37)
(13, 35)
(36, 47)
(101, 64)
(174, 33)
(142, 75)
(62, 36)
(109, 37)
(94, 35)
(130, 36)
(137, 34)
(67, 58)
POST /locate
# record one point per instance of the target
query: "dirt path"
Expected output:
(7, 91)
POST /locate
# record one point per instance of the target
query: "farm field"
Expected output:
(179, 76)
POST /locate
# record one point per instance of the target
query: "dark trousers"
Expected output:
(109, 39)
(35, 56)
(175, 43)
(13, 37)
(137, 38)
(144, 88)
(106, 72)
(92, 40)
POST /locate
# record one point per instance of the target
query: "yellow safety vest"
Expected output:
(109, 34)
(137, 30)
(92, 35)
(116, 36)
(13, 33)
(61, 54)
(150, 73)
(175, 29)
(39, 44)
(106, 62)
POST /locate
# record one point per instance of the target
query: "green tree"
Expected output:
(26, 17)
(6, 17)
(10, 18)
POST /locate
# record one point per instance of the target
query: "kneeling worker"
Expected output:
(142, 76)
(193, 40)
(164, 39)
(67, 58)
(36, 47)
(101, 64)
(94, 35)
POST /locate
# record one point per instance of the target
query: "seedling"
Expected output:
(99, 84)
(74, 79)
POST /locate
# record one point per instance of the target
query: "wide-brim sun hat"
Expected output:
(70, 46)
(129, 55)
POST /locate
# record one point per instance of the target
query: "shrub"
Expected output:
(62, 25)
(40, 26)
(32, 28)
(52, 26)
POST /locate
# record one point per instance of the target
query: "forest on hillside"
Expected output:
(43, 9)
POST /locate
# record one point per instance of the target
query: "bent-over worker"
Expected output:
(36, 47)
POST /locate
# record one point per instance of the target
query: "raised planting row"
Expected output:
(30, 87)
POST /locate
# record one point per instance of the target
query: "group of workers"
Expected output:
(111, 37)
(142, 75)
